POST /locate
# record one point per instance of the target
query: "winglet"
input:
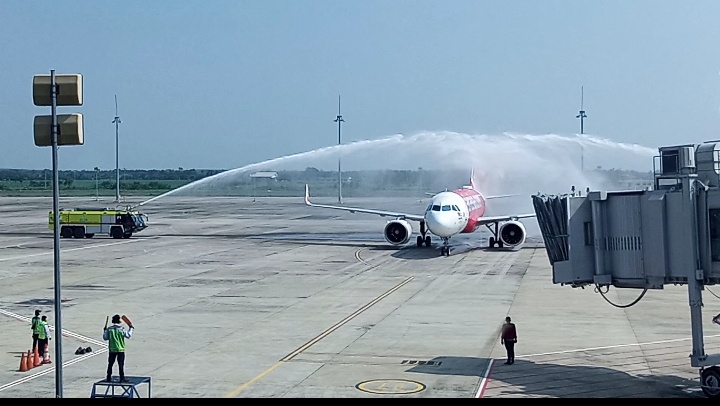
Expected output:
(472, 179)
(307, 195)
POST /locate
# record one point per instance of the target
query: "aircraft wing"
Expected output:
(499, 196)
(499, 219)
(484, 197)
(360, 210)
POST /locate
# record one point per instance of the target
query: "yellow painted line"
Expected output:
(357, 256)
(318, 338)
(74, 249)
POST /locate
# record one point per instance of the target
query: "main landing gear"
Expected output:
(494, 240)
(423, 238)
(710, 379)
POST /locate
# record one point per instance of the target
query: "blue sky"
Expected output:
(222, 84)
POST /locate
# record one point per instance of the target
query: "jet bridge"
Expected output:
(645, 239)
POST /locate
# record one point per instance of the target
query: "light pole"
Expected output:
(339, 120)
(97, 187)
(117, 122)
(66, 129)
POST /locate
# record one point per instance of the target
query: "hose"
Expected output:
(634, 302)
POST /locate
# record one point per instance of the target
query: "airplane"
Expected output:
(449, 213)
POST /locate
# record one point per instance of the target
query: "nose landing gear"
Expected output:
(445, 249)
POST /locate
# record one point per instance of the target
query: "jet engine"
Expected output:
(512, 233)
(397, 232)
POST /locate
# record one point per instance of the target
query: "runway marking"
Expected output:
(614, 346)
(485, 379)
(74, 249)
(316, 339)
(66, 333)
(103, 349)
(357, 256)
(50, 370)
(391, 386)
(17, 245)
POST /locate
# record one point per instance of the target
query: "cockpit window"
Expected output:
(429, 208)
(455, 208)
(436, 208)
(446, 207)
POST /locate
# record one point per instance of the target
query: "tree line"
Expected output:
(288, 181)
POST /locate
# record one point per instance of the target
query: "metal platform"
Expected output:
(117, 389)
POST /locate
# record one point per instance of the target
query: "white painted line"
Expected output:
(75, 249)
(613, 346)
(485, 379)
(18, 245)
(65, 332)
(50, 370)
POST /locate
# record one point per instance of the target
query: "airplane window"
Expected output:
(436, 208)
(455, 208)
(446, 208)
(429, 208)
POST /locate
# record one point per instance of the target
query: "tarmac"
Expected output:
(232, 297)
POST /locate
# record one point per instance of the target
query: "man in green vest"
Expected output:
(43, 332)
(34, 327)
(115, 335)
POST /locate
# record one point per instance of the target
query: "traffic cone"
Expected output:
(36, 360)
(23, 362)
(29, 361)
(47, 356)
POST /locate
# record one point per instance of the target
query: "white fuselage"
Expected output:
(447, 214)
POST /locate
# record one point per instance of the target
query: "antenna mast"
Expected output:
(581, 115)
(117, 122)
(339, 120)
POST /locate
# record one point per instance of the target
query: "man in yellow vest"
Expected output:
(34, 327)
(43, 332)
(115, 335)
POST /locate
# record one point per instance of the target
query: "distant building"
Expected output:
(265, 175)
(266, 178)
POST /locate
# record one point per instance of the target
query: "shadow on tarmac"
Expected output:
(532, 379)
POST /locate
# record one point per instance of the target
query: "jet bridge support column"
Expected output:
(596, 200)
(695, 288)
(695, 281)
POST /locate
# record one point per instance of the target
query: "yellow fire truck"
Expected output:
(86, 222)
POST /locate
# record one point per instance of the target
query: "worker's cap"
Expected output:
(37, 312)
(116, 318)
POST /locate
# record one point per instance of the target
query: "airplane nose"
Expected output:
(440, 224)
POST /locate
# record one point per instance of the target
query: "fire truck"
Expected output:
(84, 222)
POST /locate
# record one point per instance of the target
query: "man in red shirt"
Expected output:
(508, 338)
